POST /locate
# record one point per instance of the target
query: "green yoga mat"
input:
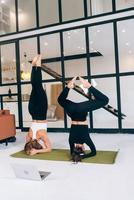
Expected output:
(102, 157)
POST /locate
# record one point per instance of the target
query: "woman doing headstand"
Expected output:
(78, 113)
(38, 109)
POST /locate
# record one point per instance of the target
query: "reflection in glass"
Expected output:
(72, 9)
(7, 16)
(8, 63)
(26, 90)
(126, 45)
(55, 113)
(74, 42)
(45, 8)
(127, 96)
(75, 68)
(101, 117)
(50, 46)
(12, 106)
(5, 89)
(122, 4)
(26, 14)
(104, 64)
(55, 66)
(96, 7)
(28, 49)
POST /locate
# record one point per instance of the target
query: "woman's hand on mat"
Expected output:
(84, 82)
(71, 83)
(37, 61)
(33, 152)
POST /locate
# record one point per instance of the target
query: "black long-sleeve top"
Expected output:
(78, 111)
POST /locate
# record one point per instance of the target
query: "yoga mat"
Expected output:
(102, 157)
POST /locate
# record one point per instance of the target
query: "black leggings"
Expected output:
(38, 104)
(79, 135)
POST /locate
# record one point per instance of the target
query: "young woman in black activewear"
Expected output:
(38, 106)
(79, 133)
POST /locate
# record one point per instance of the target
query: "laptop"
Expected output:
(29, 172)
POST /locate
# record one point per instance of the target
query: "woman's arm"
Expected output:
(64, 93)
(63, 96)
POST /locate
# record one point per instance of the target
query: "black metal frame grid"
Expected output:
(116, 75)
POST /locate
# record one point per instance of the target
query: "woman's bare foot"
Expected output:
(37, 61)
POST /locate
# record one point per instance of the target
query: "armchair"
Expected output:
(7, 125)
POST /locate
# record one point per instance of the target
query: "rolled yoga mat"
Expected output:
(102, 157)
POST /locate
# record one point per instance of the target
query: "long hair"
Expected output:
(32, 144)
(77, 154)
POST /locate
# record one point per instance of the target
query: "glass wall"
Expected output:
(99, 64)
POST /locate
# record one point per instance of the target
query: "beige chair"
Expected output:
(7, 125)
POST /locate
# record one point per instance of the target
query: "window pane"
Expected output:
(54, 66)
(26, 90)
(5, 90)
(27, 14)
(127, 96)
(45, 8)
(28, 49)
(12, 105)
(50, 45)
(55, 113)
(74, 42)
(102, 41)
(126, 45)
(101, 117)
(75, 68)
(122, 4)
(8, 63)
(96, 7)
(7, 17)
(72, 9)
